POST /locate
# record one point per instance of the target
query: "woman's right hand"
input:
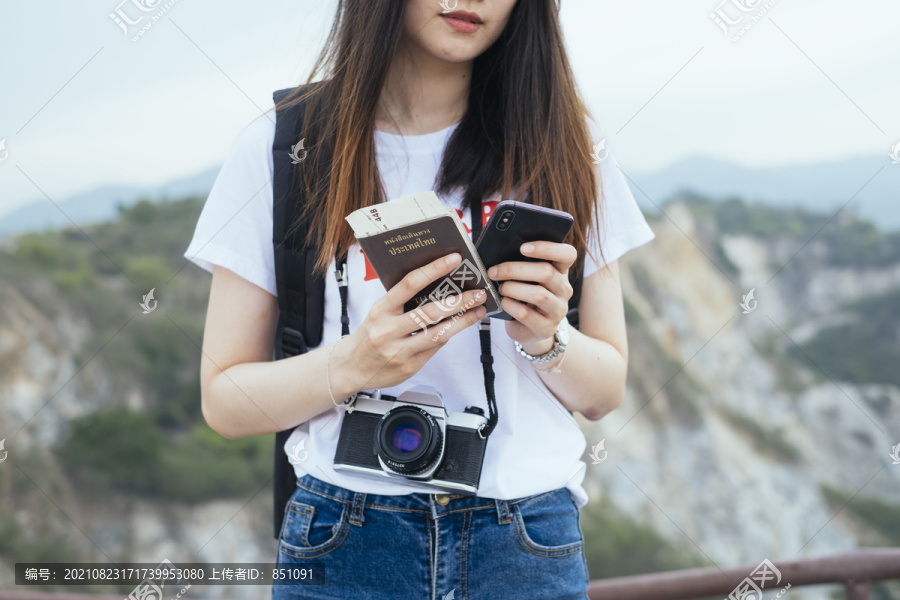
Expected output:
(381, 352)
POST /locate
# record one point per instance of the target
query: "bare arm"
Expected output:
(244, 392)
(592, 377)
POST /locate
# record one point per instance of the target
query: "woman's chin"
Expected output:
(455, 52)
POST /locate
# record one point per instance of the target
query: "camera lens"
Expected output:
(408, 439)
(505, 220)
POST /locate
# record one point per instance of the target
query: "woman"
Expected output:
(474, 100)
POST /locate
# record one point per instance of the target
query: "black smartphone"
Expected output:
(513, 224)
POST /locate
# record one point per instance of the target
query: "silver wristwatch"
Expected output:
(562, 338)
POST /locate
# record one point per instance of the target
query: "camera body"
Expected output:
(413, 438)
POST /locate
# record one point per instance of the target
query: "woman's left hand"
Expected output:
(544, 285)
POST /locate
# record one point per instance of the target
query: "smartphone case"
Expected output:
(529, 224)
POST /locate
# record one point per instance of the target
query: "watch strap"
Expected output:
(555, 351)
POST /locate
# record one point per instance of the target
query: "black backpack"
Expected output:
(301, 292)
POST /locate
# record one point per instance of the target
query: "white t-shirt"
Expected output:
(536, 445)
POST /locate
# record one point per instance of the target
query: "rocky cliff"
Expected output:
(733, 440)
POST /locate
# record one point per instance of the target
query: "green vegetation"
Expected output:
(786, 366)
(866, 351)
(849, 242)
(123, 452)
(720, 257)
(632, 315)
(766, 440)
(654, 371)
(882, 517)
(734, 216)
(788, 376)
(650, 367)
(165, 449)
(157, 353)
(141, 250)
(617, 545)
(167, 357)
(881, 590)
(44, 545)
(21, 546)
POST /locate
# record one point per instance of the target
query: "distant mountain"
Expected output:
(99, 205)
(824, 186)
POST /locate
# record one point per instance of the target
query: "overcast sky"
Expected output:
(83, 106)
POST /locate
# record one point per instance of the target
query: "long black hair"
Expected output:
(525, 126)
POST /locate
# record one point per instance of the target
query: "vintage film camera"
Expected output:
(413, 437)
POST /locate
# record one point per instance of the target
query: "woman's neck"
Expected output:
(422, 94)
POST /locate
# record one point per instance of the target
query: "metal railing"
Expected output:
(855, 570)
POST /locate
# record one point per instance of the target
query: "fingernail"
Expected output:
(479, 312)
(451, 258)
(527, 248)
(492, 272)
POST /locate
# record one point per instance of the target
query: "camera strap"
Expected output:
(484, 328)
(340, 274)
(484, 334)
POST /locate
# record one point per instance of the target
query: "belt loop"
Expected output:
(504, 515)
(356, 511)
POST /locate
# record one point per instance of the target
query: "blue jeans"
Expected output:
(411, 547)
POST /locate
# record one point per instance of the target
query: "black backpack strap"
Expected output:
(575, 278)
(301, 292)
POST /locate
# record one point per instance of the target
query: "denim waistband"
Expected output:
(414, 502)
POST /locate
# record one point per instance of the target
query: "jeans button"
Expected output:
(442, 499)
